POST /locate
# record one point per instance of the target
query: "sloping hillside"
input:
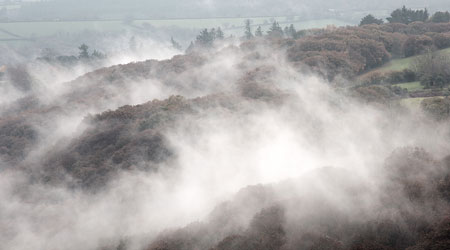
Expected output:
(265, 145)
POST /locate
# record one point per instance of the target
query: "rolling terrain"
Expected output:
(258, 144)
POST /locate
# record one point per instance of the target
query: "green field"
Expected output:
(401, 64)
(42, 29)
(229, 25)
(410, 86)
(398, 64)
(413, 103)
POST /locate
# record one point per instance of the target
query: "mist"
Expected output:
(135, 143)
(219, 150)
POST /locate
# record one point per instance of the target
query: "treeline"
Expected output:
(84, 56)
(206, 38)
(406, 16)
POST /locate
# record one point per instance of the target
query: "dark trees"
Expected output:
(190, 48)
(441, 40)
(275, 31)
(438, 108)
(84, 51)
(441, 17)
(175, 44)
(369, 19)
(248, 30)
(290, 31)
(415, 45)
(98, 55)
(84, 54)
(19, 77)
(259, 32)
(219, 34)
(407, 16)
(205, 38)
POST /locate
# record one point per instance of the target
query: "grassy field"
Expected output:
(410, 86)
(400, 64)
(229, 25)
(412, 103)
(42, 29)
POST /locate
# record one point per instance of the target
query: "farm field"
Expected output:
(229, 25)
(42, 29)
(237, 23)
(400, 64)
(413, 103)
(410, 86)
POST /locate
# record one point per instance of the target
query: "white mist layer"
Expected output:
(222, 153)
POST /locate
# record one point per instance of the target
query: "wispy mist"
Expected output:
(286, 126)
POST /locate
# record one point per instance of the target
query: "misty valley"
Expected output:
(205, 125)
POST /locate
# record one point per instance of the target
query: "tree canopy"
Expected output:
(275, 30)
(248, 30)
(441, 17)
(406, 15)
(369, 19)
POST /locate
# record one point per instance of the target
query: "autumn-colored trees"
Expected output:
(347, 51)
(441, 40)
(415, 45)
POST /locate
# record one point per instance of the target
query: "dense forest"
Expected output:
(280, 139)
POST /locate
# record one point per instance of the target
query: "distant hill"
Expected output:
(75, 10)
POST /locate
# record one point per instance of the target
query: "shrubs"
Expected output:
(330, 64)
(405, 75)
(433, 69)
(415, 45)
(441, 40)
(17, 136)
(438, 108)
(266, 232)
(409, 75)
(374, 94)
(391, 77)
(373, 78)
(19, 77)
(351, 51)
(346, 51)
(367, 54)
(436, 239)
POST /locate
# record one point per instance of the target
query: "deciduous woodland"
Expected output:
(333, 138)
